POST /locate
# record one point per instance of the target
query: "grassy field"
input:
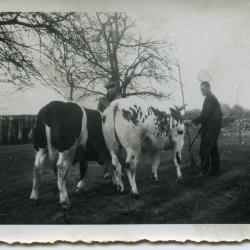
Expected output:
(221, 199)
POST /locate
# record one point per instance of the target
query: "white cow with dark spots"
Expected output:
(135, 125)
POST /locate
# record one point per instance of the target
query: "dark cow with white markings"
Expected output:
(135, 126)
(64, 135)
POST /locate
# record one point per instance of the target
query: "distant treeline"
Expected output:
(235, 112)
(229, 113)
(16, 129)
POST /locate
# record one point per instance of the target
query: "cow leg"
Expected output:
(155, 166)
(40, 159)
(177, 162)
(106, 174)
(117, 173)
(132, 161)
(63, 165)
(83, 169)
(109, 171)
(112, 172)
(131, 177)
(51, 150)
(118, 178)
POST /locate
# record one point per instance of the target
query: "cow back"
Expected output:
(66, 124)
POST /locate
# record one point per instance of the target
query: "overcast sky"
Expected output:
(210, 35)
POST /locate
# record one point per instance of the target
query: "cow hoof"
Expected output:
(134, 195)
(80, 191)
(120, 189)
(179, 180)
(65, 206)
(35, 202)
(107, 175)
(155, 181)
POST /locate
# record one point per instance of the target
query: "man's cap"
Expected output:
(109, 84)
(206, 84)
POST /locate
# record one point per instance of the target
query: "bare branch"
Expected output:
(149, 93)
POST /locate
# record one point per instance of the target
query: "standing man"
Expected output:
(210, 120)
(104, 102)
(111, 95)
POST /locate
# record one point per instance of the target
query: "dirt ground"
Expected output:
(221, 199)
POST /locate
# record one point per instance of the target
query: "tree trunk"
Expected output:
(240, 136)
(71, 93)
(71, 85)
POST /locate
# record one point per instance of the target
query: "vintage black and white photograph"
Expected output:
(126, 114)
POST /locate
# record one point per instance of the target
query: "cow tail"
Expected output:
(115, 133)
(109, 130)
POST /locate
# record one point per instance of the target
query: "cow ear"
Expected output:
(174, 114)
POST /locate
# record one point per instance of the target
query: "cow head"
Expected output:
(176, 122)
(176, 130)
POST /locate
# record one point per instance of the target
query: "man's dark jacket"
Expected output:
(210, 117)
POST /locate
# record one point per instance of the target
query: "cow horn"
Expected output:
(180, 108)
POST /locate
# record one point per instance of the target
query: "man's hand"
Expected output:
(188, 122)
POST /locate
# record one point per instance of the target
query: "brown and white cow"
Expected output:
(64, 135)
(134, 125)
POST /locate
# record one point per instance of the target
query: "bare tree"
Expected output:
(62, 70)
(20, 37)
(65, 71)
(113, 49)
